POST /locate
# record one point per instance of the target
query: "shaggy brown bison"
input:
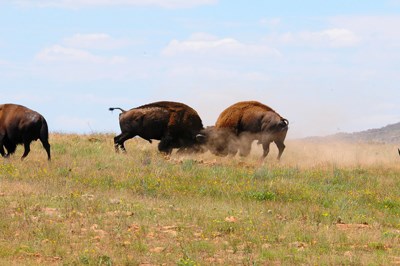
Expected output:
(242, 123)
(20, 125)
(174, 124)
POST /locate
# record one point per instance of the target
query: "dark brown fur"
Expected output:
(242, 123)
(21, 125)
(174, 124)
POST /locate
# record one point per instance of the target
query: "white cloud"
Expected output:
(373, 29)
(270, 22)
(99, 41)
(99, 100)
(78, 49)
(201, 44)
(89, 3)
(77, 124)
(58, 53)
(26, 97)
(333, 37)
(394, 2)
(61, 53)
(337, 37)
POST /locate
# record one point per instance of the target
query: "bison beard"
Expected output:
(20, 125)
(174, 124)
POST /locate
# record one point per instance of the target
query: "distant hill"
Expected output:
(387, 134)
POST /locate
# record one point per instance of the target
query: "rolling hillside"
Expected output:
(387, 134)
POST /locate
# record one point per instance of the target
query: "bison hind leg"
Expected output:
(281, 148)
(120, 140)
(46, 146)
(266, 149)
(27, 149)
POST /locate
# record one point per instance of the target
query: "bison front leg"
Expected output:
(244, 143)
(165, 145)
(2, 152)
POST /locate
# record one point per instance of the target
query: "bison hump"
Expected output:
(242, 112)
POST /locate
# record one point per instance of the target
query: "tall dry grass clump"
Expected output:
(323, 203)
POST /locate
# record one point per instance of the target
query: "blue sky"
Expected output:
(327, 66)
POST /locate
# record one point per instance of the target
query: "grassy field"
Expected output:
(323, 204)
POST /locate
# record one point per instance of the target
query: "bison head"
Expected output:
(219, 141)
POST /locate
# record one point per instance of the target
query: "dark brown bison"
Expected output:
(174, 124)
(21, 125)
(242, 123)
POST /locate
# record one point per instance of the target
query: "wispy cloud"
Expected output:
(200, 44)
(99, 41)
(82, 124)
(80, 47)
(92, 3)
(58, 53)
(373, 29)
(333, 37)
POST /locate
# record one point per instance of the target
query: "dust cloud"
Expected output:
(306, 154)
(300, 153)
(341, 154)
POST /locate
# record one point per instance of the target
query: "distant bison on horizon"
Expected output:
(242, 123)
(21, 125)
(174, 124)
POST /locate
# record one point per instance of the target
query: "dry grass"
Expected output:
(324, 203)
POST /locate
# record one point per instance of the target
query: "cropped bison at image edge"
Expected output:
(174, 124)
(21, 125)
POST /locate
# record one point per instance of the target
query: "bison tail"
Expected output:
(284, 124)
(44, 138)
(113, 108)
(44, 130)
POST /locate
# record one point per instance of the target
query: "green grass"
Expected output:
(91, 206)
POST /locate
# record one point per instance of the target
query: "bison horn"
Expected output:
(398, 150)
(201, 138)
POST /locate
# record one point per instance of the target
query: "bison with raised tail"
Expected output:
(174, 124)
(242, 123)
(21, 125)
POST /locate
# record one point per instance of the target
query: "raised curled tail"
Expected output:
(113, 108)
(284, 124)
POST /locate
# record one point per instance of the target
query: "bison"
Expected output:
(21, 125)
(174, 124)
(242, 123)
